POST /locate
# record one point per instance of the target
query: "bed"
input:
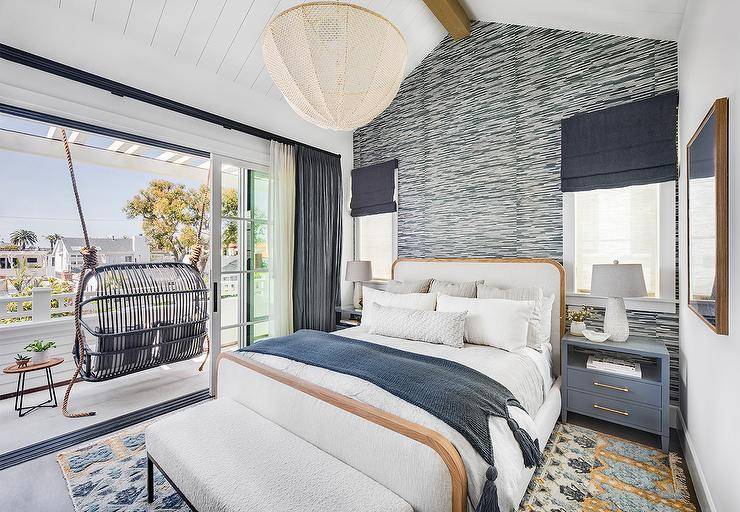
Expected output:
(404, 448)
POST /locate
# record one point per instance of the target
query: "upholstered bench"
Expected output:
(222, 456)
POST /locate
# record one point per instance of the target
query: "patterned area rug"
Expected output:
(110, 476)
(583, 471)
(587, 471)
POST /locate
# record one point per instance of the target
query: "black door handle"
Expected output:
(216, 298)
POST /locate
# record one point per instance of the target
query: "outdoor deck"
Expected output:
(108, 399)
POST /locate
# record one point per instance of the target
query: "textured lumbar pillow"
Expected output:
(437, 327)
(371, 296)
(421, 286)
(467, 289)
(500, 323)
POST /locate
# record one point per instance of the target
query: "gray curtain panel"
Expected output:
(318, 239)
(630, 144)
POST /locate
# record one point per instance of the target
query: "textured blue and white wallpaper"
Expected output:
(476, 130)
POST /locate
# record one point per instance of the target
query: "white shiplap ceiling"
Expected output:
(653, 19)
(223, 36)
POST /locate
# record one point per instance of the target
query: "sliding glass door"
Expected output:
(240, 264)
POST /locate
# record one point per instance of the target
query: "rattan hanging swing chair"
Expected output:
(141, 315)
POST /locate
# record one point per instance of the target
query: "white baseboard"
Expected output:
(692, 462)
(673, 421)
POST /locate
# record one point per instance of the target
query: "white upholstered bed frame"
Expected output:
(416, 463)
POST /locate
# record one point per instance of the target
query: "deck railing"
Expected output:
(41, 306)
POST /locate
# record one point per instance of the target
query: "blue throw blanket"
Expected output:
(458, 395)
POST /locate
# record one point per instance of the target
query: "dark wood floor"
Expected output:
(637, 436)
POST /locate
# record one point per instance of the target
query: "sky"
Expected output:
(36, 194)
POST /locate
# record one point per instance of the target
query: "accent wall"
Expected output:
(476, 130)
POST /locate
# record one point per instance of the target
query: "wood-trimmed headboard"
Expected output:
(544, 273)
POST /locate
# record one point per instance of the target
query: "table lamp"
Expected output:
(616, 281)
(358, 271)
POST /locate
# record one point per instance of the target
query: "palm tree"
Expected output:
(53, 239)
(23, 238)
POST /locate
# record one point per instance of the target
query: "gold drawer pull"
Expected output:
(607, 409)
(609, 386)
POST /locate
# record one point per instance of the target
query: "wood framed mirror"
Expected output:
(707, 212)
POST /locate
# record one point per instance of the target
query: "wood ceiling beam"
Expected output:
(452, 17)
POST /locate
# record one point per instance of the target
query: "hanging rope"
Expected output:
(90, 262)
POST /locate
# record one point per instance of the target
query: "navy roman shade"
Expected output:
(630, 144)
(374, 189)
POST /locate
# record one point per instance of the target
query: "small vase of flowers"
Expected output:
(578, 319)
(40, 350)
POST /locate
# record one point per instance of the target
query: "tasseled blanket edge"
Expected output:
(489, 499)
(530, 453)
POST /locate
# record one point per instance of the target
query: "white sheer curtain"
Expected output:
(281, 236)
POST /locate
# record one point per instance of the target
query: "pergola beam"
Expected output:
(452, 17)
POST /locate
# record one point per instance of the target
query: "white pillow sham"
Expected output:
(421, 286)
(539, 324)
(499, 323)
(548, 301)
(438, 327)
(371, 296)
(464, 289)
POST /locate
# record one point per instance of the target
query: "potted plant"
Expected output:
(21, 360)
(578, 319)
(40, 350)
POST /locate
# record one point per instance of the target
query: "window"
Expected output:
(129, 259)
(375, 240)
(245, 256)
(631, 224)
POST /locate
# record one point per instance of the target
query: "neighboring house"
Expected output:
(66, 256)
(157, 256)
(36, 262)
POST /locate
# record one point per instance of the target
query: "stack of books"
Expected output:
(349, 322)
(614, 365)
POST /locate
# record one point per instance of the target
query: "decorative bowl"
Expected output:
(596, 337)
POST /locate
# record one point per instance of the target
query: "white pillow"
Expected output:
(436, 327)
(535, 338)
(500, 323)
(371, 296)
(421, 286)
(466, 289)
(546, 319)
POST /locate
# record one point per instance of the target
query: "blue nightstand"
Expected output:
(640, 403)
(347, 316)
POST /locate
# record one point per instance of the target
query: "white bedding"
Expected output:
(526, 374)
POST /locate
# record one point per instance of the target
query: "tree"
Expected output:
(53, 239)
(171, 215)
(229, 208)
(22, 280)
(23, 238)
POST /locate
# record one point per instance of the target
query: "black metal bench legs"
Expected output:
(149, 480)
(150, 465)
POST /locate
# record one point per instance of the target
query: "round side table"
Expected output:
(21, 386)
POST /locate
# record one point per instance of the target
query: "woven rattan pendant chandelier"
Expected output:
(338, 65)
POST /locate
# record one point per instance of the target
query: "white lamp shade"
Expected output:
(618, 280)
(358, 271)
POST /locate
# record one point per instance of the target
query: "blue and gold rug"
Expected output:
(582, 471)
(587, 471)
